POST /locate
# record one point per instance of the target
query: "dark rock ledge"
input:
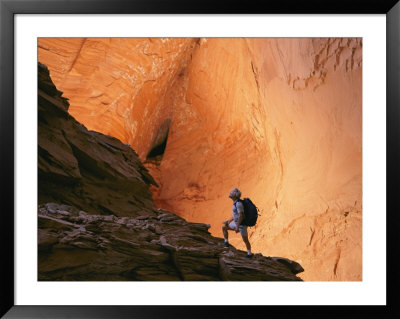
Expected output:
(75, 245)
(97, 220)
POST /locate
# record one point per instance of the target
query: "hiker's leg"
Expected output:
(245, 237)
(226, 227)
(225, 231)
(247, 243)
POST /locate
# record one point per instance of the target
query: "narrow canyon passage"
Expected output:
(281, 119)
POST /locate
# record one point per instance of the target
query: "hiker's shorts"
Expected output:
(242, 228)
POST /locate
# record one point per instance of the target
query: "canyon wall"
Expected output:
(279, 118)
(97, 220)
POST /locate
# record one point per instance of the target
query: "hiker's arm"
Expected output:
(241, 215)
(227, 221)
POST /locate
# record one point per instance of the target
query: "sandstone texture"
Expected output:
(86, 169)
(97, 220)
(281, 119)
(74, 245)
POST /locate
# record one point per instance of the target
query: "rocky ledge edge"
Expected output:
(75, 245)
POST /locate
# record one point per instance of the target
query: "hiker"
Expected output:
(234, 223)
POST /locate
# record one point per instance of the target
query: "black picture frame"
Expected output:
(8, 10)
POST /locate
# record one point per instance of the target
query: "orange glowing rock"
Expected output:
(278, 118)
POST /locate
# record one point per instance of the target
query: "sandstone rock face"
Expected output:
(278, 118)
(75, 245)
(86, 169)
(117, 85)
(97, 220)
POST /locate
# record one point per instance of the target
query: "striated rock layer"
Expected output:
(75, 245)
(278, 118)
(110, 229)
(86, 169)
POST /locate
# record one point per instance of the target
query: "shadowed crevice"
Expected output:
(160, 142)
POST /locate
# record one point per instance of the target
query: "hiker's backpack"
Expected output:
(250, 212)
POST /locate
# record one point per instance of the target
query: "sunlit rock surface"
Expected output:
(279, 118)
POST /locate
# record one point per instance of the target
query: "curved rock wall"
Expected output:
(279, 118)
(117, 86)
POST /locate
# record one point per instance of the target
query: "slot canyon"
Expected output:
(279, 118)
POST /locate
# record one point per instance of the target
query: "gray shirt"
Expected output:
(237, 209)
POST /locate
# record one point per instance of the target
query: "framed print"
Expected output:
(129, 129)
